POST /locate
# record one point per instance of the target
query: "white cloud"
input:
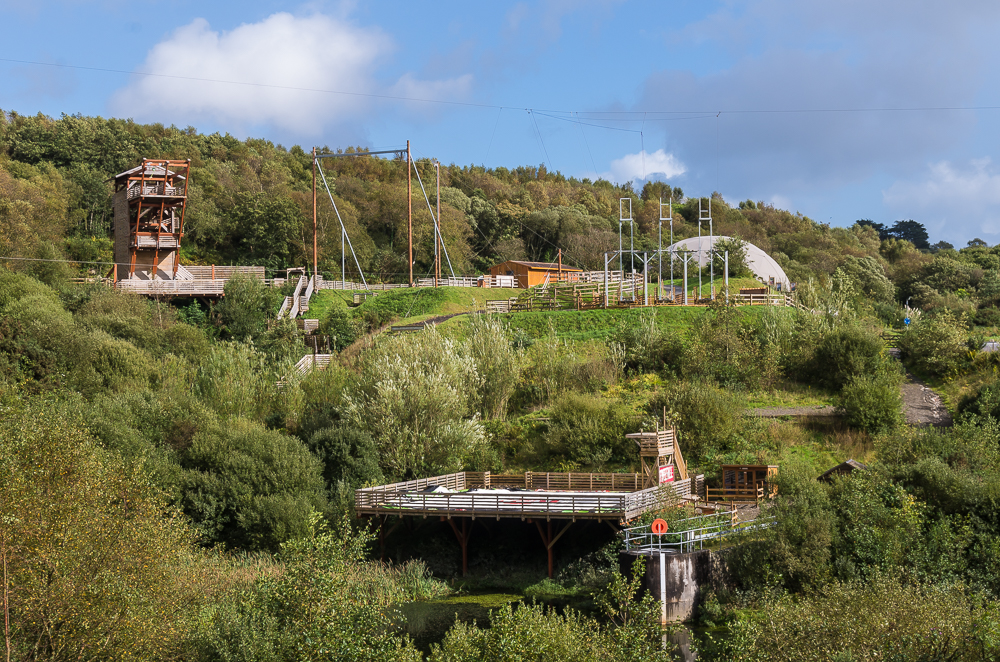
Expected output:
(955, 201)
(644, 166)
(765, 59)
(281, 69)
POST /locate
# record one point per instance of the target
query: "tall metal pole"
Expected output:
(605, 280)
(621, 266)
(727, 277)
(315, 260)
(437, 227)
(659, 252)
(409, 209)
(631, 249)
(671, 243)
(701, 251)
(711, 246)
(685, 280)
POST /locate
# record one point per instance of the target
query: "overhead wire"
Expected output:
(392, 97)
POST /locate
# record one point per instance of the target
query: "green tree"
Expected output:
(247, 307)
(266, 228)
(98, 566)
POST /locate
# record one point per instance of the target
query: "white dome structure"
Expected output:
(760, 263)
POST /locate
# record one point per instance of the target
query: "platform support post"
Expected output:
(463, 540)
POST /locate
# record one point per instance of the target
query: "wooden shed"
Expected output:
(529, 274)
(745, 482)
(842, 469)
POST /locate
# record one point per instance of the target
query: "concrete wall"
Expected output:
(684, 575)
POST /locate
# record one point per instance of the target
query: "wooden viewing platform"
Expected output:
(535, 497)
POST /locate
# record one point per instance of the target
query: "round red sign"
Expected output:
(659, 527)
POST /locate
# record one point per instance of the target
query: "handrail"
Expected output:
(717, 526)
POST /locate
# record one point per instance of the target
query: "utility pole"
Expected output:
(409, 209)
(315, 259)
(437, 228)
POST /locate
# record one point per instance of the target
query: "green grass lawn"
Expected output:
(790, 394)
(324, 300)
(420, 303)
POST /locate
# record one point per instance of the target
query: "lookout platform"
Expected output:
(534, 497)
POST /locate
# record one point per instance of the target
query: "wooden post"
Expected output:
(463, 541)
(315, 260)
(409, 209)
(560, 266)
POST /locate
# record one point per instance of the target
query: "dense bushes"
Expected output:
(416, 397)
(935, 344)
(844, 353)
(95, 563)
(880, 619)
(873, 403)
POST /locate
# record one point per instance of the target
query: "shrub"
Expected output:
(236, 380)
(881, 619)
(708, 417)
(498, 363)
(647, 347)
(347, 455)
(844, 353)
(415, 396)
(873, 403)
(328, 603)
(590, 431)
(935, 344)
(341, 328)
(250, 487)
(96, 563)
(247, 306)
(985, 402)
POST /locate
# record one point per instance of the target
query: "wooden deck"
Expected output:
(535, 495)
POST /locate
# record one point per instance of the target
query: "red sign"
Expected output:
(667, 474)
(659, 527)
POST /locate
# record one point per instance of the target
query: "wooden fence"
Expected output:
(545, 494)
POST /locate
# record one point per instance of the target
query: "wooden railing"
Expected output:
(743, 493)
(222, 272)
(551, 495)
(173, 287)
(582, 481)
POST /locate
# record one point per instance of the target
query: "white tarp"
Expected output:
(761, 264)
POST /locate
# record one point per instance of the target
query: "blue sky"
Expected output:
(854, 109)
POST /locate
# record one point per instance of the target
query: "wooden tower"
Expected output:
(149, 204)
(660, 457)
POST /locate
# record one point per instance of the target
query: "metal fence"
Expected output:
(696, 532)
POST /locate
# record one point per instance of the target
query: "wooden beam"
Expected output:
(549, 540)
(463, 540)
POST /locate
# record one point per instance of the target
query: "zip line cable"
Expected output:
(587, 143)
(539, 134)
(488, 149)
(470, 104)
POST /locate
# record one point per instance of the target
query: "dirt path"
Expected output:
(922, 406)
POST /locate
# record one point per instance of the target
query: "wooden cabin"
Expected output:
(745, 483)
(529, 274)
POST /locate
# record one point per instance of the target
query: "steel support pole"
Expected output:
(685, 280)
(727, 277)
(437, 227)
(605, 280)
(315, 244)
(409, 210)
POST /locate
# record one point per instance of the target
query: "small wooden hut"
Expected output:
(744, 483)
